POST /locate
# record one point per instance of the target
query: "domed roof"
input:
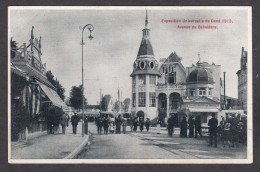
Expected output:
(200, 74)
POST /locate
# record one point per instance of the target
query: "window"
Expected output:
(141, 79)
(192, 92)
(172, 78)
(151, 65)
(133, 99)
(152, 79)
(202, 91)
(141, 99)
(152, 99)
(142, 65)
(163, 102)
(174, 103)
(210, 92)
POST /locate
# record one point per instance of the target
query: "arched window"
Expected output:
(142, 65)
(152, 65)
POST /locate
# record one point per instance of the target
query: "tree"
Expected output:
(76, 97)
(126, 104)
(116, 107)
(60, 90)
(105, 102)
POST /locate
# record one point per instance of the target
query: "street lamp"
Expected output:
(90, 27)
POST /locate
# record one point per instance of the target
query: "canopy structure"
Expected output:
(203, 110)
(52, 95)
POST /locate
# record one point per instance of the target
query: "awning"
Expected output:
(203, 110)
(52, 95)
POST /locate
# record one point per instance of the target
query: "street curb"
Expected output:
(76, 151)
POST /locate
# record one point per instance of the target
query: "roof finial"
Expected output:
(146, 20)
(32, 35)
(199, 62)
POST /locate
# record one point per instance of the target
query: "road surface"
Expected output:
(149, 145)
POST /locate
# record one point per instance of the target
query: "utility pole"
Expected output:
(100, 99)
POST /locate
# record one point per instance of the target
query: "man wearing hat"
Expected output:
(74, 122)
(213, 127)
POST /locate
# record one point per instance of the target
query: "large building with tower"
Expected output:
(242, 80)
(168, 88)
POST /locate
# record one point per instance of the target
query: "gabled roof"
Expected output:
(173, 57)
(201, 99)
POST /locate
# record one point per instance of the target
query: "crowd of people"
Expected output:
(230, 131)
(54, 121)
(63, 120)
(119, 124)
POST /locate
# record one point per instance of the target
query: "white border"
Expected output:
(143, 161)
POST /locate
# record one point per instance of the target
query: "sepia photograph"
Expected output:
(135, 85)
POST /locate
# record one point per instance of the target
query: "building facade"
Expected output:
(242, 80)
(161, 90)
(31, 93)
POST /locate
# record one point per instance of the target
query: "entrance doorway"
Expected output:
(140, 114)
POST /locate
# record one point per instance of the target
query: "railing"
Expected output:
(171, 86)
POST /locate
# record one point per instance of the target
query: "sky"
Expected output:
(109, 57)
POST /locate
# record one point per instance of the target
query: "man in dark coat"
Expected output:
(118, 124)
(147, 124)
(131, 123)
(100, 124)
(135, 123)
(106, 125)
(141, 124)
(74, 122)
(191, 126)
(183, 132)
(197, 123)
(170, 122)
(213, 128)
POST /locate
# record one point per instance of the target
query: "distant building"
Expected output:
(242, 80)
(161, 90)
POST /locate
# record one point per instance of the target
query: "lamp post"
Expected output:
(90, 27)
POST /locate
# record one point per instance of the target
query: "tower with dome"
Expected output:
(144, 78)
(161, 90)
